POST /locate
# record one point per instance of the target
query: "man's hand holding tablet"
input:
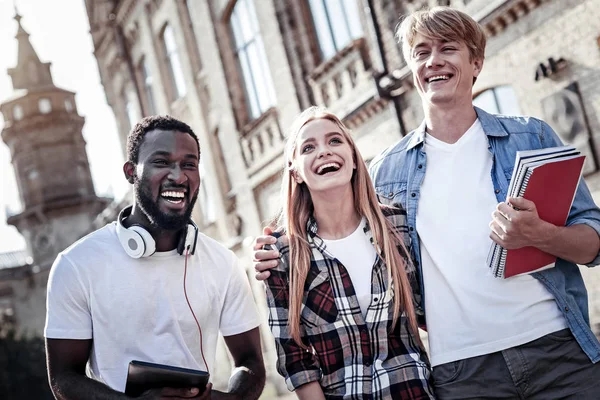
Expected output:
(156, 381)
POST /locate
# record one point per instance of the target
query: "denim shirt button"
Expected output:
(420, 166)
(391, 194)
(566, 309)
(411, 229)
(497, 191)
(413, 194)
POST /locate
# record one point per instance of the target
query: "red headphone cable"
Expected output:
(190, 306)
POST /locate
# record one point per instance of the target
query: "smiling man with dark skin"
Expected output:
(149, 287)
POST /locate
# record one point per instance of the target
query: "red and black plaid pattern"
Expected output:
(351, 356)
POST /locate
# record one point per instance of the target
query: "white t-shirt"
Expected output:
(358, 255)
(469, 312)
(135, 309)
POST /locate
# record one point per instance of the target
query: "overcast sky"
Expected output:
(59, 32)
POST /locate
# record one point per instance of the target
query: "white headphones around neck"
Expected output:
(138, 242)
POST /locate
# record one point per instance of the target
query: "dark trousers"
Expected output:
(552, 367)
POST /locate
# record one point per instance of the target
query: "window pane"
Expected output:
(18, 112)
(206, 202)
(253, 20)
(249, 84)
(146, 74)
(266, 73)
(148, 82)
(507, 100)
(169, 38)
(237, 34)
(353, 18)
(337, 21)
(245, 21)
(486, 102)
(322, 27)
(178, 75)
(259, 72)
(174, 62)
(130, 109)
(251, 55)
(45, 106)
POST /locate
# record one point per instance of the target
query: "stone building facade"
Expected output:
(239, 71)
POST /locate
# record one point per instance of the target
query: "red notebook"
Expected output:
(551, 186)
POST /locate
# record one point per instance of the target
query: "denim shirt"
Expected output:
(399, 171)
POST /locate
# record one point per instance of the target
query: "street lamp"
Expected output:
(391, 86)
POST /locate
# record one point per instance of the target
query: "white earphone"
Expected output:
(138, 242)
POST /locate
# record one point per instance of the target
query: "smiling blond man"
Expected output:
(524, 337)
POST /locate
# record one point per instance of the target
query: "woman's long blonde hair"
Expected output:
(298, 207)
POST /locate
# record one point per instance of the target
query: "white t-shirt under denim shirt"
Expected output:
(470, 312)
(135, 309)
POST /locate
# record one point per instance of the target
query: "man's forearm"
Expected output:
(74, 386)
(577, 243)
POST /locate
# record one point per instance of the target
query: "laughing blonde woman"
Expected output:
(341, 307)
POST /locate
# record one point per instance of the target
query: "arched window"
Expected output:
(174, 62)
(147, 82)
(131, 110)
(44, 105)
(250, 52)
(18, 112)
(498, 100)
(32, 174)
(206, 201)
(337, 23)
(68, 105)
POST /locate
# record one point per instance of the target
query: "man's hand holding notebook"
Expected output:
(548, 178)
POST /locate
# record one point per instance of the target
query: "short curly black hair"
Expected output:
(147, 124)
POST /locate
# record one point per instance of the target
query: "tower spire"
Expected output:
(18, 18)
(29, 73)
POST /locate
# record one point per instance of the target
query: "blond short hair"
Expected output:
(442, 23)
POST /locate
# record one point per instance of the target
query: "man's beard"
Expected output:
(159, 219)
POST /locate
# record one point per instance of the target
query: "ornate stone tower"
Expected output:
(43, 132)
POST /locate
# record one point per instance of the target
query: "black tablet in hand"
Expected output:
(142, 376)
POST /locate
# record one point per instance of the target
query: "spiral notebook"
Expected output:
(548, 177)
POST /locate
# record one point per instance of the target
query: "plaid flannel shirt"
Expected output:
(352, 357)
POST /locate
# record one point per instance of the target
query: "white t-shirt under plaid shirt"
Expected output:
(358, 255)
(352, 357)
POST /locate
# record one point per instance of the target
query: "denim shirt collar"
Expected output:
(418, 137)
(491, 127)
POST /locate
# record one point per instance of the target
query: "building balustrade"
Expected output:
(262, 141)
(344, 82)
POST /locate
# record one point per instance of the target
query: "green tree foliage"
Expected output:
(22, 366)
